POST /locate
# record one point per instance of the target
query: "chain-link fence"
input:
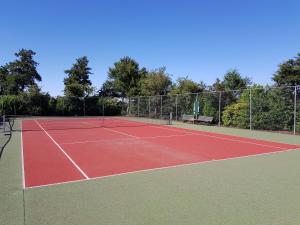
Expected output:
(259, 108)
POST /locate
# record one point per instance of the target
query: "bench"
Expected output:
(205, 119)
(189, 118)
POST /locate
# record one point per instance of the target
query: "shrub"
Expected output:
(236, 115)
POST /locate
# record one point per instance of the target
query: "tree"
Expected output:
(236, 115)
(185, 85)
(38, 101)
(234, 81)
(233, 84)
(187, 91)
(3, 79)
(108, 90)
(217, 86)
(288, 73)
(17, 76)
(124, 78)
(270, 110)
(77, 82)
(156, 82)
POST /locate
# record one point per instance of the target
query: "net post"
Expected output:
(220, 95)
(295, 108)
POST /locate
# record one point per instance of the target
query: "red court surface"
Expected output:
(66, 150)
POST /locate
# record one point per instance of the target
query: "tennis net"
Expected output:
(65, 123)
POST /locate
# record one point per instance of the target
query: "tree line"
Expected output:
(21, 94)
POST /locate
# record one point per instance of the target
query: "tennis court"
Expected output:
(63, 150)
(128, 170)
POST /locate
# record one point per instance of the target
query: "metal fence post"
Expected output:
(63, 101)
(138, 106)
(3, 123)
(15, 107)
(2, 107)
(149, 105)
(176, 106)
(83, 106)
(128, 111)
(295, 108)
(250, 122)
(161, 106)
(103, 109)
(196, 114)
(220, 95)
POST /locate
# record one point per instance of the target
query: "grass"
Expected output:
(255, 190)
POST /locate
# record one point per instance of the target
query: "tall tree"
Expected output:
(77, 83)
(3, 79)
(217, 86)
(108, 89)
(186, 85)
(156, 82)
(288, 73)
(20, 74)
(233, 81)
(125, 77)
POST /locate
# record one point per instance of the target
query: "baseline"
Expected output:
(164, 168)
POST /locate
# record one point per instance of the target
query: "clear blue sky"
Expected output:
(201, 39)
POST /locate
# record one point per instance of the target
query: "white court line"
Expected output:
(126, 139)
(22, 156)
(119, 132)
(164, 168)
(200, 134)
(208, 135)
(71, 160)
(228, 139)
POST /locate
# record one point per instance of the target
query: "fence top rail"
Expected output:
(212, 91)
(187, 93)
